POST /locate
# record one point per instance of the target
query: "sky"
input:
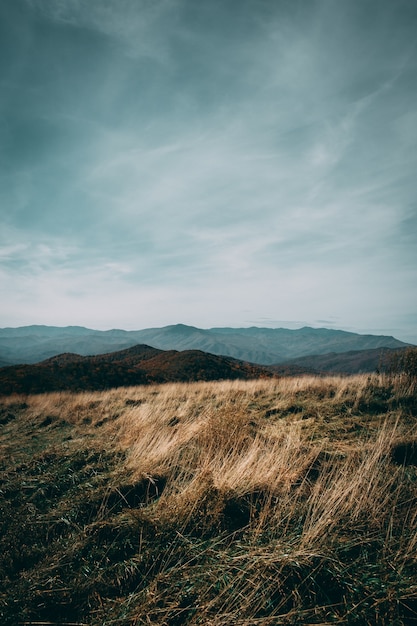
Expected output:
(209, 162)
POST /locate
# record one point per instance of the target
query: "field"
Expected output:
(245, 503)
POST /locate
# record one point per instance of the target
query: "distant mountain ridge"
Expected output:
(264, 346)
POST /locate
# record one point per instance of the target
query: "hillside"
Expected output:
(352, 362)
(140, 365)
(264, 346)
(271, 502)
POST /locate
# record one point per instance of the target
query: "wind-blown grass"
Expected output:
(288, 501)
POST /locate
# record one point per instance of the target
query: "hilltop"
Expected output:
(139, 365)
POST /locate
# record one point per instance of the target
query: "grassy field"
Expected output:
(289, 501)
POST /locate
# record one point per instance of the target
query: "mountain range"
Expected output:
(263, 346)
(183, 361)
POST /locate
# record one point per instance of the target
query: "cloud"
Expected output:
(224, 156)
(135, 25)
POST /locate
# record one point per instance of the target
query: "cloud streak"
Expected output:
(210, 163)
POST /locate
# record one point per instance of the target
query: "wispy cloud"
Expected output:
(135, 25)
(235, 160)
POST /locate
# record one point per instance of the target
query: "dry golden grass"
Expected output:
(289, 501)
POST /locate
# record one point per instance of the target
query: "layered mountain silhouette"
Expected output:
(264, 346)
(139, 365)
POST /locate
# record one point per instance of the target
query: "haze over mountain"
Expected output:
(31, 344)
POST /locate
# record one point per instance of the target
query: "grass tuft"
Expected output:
(266, 502)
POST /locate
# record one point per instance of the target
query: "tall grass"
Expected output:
(288, 501)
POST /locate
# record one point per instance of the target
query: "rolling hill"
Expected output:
(352, 362)
(139, 365)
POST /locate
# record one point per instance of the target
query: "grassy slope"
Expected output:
(287, 501)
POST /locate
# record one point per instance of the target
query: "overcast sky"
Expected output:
(210, 162)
